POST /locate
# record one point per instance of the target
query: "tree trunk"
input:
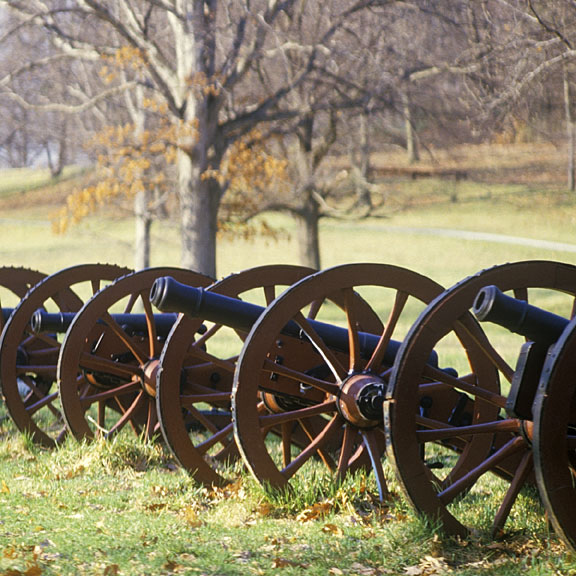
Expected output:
(199, 201)
(365, 145)
(309, 235)
(411, 143)
(143, 224)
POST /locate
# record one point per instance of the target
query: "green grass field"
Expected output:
(125, 508)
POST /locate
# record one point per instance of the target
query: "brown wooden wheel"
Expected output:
(28, 360)
(109, 357)
(318, 361)
(490, 434)
(555, 436)
(14, 283)
(195, 377)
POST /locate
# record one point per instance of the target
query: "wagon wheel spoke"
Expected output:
(463, 385)
(347, 451)
(288, 422)
(373, 446)
(317, 383)
(378, 355)
(312, 436)
(268, 421)
(525, 468)
(205, 421)
(218, 437)
(315, 447)
(93, 394)
(152, 335)
(269, 293)
(480, 338)
(350, 299)
(333, 363)
(140, 354)
(45, 401)
(436, 431)
(127, 416)
(464, 483)
(98, 364)
(315, 308)
(227, 364)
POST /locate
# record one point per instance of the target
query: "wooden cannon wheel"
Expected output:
(28, 361)
(554, 438)
(106, 369)
(330, 386)
(447, 485)
(195, 377)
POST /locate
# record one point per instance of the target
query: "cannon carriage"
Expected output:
(292, 369)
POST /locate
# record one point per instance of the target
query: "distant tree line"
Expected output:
(233, 107)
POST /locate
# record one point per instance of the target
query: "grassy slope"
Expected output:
(124, 509)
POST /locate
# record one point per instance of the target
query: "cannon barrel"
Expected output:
(169, 295)
(535, 324)
(59, 322)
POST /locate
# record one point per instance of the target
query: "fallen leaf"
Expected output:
(264, 509)
(362, 570)
(191, 517)
(332, 529)
(284, 563)
(5, 489)
(316, 511)
(33, 570)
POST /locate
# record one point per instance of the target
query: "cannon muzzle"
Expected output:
(535, 324)
(169, 295)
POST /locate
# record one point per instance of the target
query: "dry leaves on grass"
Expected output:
(429, 566)
(316, 511)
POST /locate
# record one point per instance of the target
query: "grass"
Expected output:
(18, 181)
(122, 507)
(125, 508)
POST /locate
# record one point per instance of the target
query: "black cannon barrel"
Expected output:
(169, 295)
(59, 322)
(535, 324)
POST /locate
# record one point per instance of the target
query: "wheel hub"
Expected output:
(361, 400)
(148, 377)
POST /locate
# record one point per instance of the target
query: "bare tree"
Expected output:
(199, 57)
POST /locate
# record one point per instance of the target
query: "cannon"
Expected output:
(319, 370)
(106, 363)
(543, 392)
(499, 374)
(194, 379)
(28, 361)
(107, 369)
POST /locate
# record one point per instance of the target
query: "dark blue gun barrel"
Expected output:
(169, 295)
(535, 324)
(59, 322)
